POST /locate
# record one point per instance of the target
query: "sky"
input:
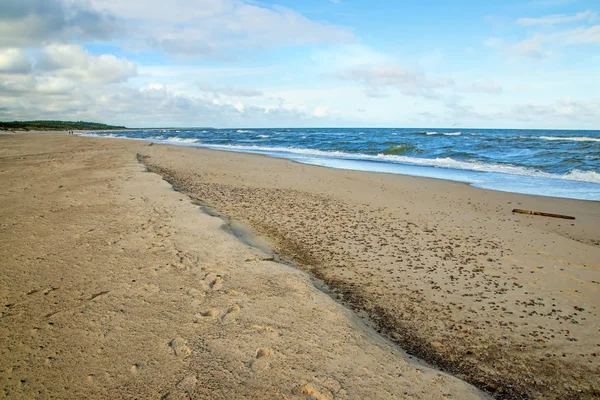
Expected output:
(310, 63)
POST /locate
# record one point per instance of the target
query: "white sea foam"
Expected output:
(444, 133)
(572, 139)
(183, 140)
(575, 175)
(583, 176)
(244, 131)
(176, 139)
(263, 136)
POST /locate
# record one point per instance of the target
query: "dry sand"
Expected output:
(115, 286)
(506, 301)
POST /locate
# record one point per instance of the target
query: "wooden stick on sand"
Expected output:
(543, 214)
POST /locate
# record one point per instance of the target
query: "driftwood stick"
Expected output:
(543, 214)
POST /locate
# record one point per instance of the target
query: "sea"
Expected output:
(557, 163)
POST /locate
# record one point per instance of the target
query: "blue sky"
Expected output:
(234, 63)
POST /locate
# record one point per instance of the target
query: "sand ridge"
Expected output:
(115, 286)
(507, 301)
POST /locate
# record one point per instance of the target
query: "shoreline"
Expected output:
(446, 173)
(425, 178)
(117, 286)
(217, 187)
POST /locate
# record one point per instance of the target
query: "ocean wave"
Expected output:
(245, 131)
(394, 154)
(583, 176)
(399, 149)
(447, 162)
(263, 136)
(181, 140)
(430, 133)
(570, 138)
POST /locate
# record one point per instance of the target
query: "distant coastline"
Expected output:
(46, 125)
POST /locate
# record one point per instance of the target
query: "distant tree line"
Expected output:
(55, 126)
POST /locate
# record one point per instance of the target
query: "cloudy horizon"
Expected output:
(318, 63)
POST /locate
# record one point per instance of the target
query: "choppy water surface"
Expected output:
(542, 162)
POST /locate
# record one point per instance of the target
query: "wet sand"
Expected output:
(506, 301)
(115, 286)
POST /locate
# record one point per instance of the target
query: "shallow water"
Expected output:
(542, 162)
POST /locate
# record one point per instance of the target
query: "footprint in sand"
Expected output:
(261, 359)
(214, 281)
(196, 293)
(187, 384)
(134, 369)
(210, 313)
(313, 391)
(231, 313)
(179, 347)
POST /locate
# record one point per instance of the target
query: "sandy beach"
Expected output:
(116, 286)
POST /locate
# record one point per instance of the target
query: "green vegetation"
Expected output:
(56, 126)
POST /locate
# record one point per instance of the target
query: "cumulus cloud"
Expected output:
(213, 28)
(51, 85)
(558, 19)
(152, 105)
(74, 62)
(14, 61)
(57, 70)
(210, 28)
(410, 82)
(35, 22)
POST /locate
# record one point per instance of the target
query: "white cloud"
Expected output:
(56, 71)
(530, 48)
(589, 35)
(214, 28)
(564, 107)
(35, 22)
(537, 114)
(53, 86)
(558, 19)
(230, 91)
(14, 61)
(410, 82)
(76, 63)
(320, 111)
(153, 105)
(239, 106)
